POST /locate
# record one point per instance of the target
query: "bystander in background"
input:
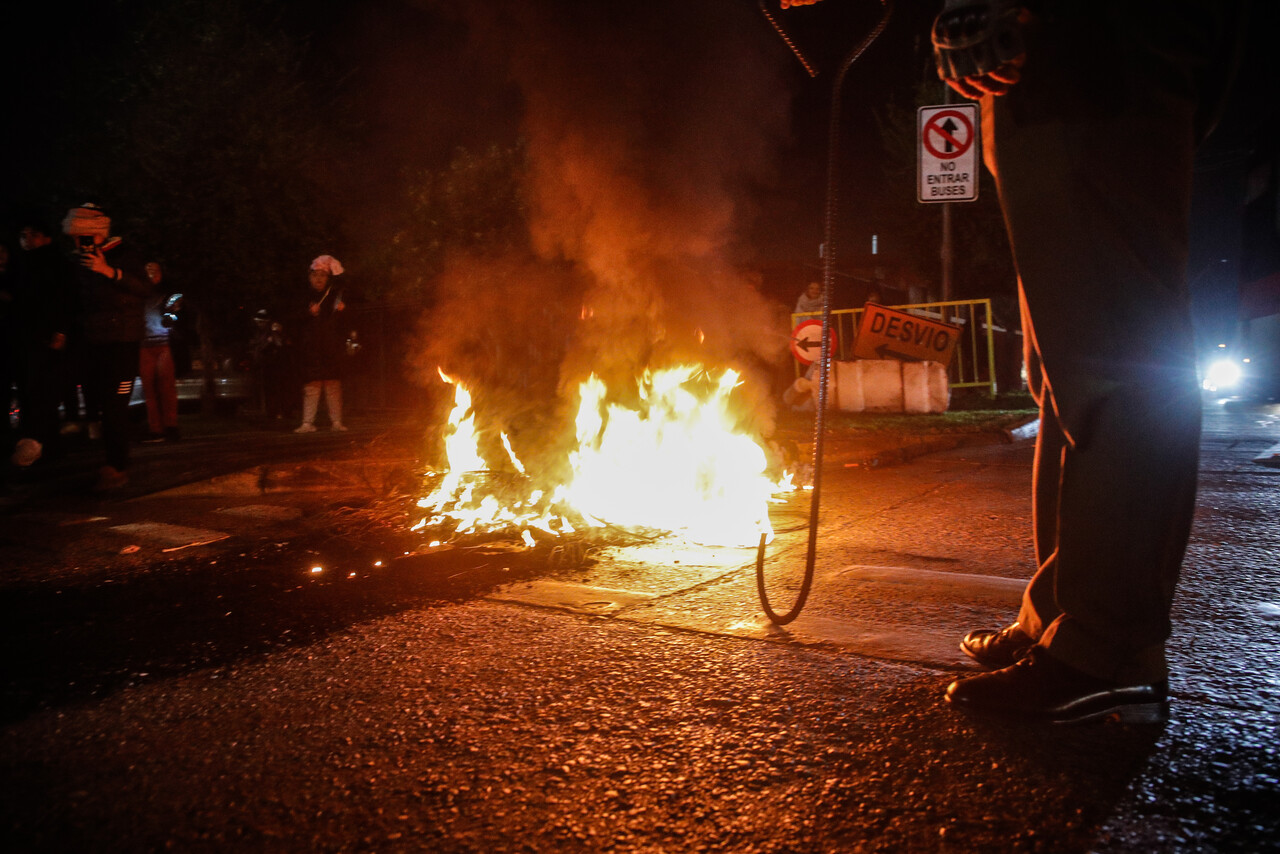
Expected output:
(7, 350)
(811, 300)
(113, 289)
(271, 365)
(322, 344)
(156, 362)
(43, 317)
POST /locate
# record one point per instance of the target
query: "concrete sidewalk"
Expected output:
(212, 447)
(247, 455)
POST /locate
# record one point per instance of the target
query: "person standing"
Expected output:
(113, 290)
(1091, 114)
(270, 359)
(43, 315)
(322, 344)
(1115, 97)
(8, 348)
(810, 301)
(156, 362)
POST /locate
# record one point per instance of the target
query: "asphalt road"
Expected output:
(226, 665)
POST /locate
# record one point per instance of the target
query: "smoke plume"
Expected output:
(644, 124)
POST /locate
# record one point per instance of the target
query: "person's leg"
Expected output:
(333, 402)
(1039, 605)
(120, 361)
(148, 370)
(8, 370)
(998, 648)
(1105, 283)
(167, 389)
(310, 405)
(37, 426)
(90, 373)
(1093, 165)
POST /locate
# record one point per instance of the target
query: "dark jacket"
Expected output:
(322, 338)
(114, 309)
(45, 300)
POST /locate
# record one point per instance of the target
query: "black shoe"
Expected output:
(111, 478)
(153, 438)
(1040, 687)
(997, 648)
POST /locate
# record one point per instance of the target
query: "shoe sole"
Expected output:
(989, 663)
(1138, 707)
(1128, 713)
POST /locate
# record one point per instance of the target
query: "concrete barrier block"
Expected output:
(882, 385)
(924, 387)
(939, 388)
(848, 386)
(915, 387)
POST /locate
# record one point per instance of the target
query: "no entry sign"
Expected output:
(885, 333)
(806, 340)
(947, 155)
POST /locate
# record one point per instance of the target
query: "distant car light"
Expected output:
(1221, 375)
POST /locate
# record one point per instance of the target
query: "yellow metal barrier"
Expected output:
(974, 362)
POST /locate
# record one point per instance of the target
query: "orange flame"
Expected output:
(675, 463)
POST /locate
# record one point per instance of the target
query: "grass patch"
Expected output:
(974, 421)
(971, 412)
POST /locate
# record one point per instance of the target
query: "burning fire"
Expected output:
(675, 463)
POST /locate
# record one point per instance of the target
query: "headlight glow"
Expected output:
(1222, 374)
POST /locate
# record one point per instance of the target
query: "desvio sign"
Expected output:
(885, 333)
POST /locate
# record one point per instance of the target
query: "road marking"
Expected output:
(174, 536)
(62, 520)
(268, 512)
(567, 596)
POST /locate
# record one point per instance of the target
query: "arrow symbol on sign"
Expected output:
(949, 128)
(884, 353)
(805, 343)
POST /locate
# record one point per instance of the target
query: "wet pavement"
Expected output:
(250, 659)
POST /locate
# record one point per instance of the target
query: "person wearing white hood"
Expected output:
(322, 341)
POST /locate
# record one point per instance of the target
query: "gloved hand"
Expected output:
(978, 45)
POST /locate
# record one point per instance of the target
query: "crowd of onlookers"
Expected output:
(83, 315)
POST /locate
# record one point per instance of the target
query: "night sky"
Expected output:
(406, 83)
(672, 139)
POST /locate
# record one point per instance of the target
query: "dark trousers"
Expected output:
(1093, 162)
(113, 367)
(38, 389)
(8, 374)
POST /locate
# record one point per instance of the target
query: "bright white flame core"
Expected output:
(676, 464)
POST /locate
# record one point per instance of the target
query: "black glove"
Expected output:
(978, 45)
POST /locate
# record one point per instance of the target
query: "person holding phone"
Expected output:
(113, 293)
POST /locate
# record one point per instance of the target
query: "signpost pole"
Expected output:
(945, 249)
(945, 252)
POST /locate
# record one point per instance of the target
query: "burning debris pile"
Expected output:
(625, 330)
(674, 463)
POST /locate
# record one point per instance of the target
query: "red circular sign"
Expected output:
(806, 340)
(959, 144)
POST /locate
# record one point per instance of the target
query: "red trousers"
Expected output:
(159, 386)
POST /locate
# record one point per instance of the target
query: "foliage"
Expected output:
(194, 124)
(474, 206)
(901, 424)
(219, 152)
